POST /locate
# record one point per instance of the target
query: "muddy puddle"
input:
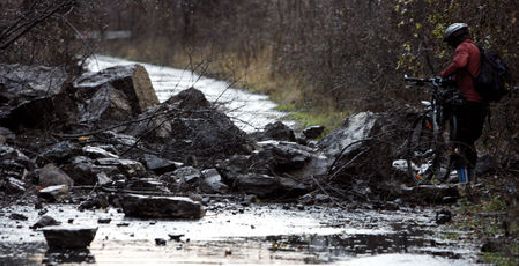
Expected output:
(232, 234)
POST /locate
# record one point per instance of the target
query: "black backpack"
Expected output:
(491, 81)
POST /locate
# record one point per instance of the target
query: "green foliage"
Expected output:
(496, 204)
(289, 107)
(499, 259)
(451, 235)
(330, 120)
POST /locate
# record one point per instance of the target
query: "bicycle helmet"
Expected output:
(454, 31)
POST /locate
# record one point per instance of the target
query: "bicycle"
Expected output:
(430, 147)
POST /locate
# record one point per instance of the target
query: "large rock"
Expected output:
(56, 112)
(162, 207)
(11, 185)
(183, 179)
(351, 135)
(14, 163)
(364, 148)
(97, 152)
(20, 83)
(127, 167)
(146, 184)
(95, 99)
(292, 188)
(58, 153)
(132, 81)
(188, 174)
(159, 165)
(276, 158)
(291, 158)
(6, 135)
(45, 221)
(118, 139)
(212, 182)
(278, 131)
(285, 156)
(313, 132)
(105, 106)
(86, 173)
(237, 165)
(69, 238)
(260, 185)
(50, 175)
(265, 186)
(186, 128)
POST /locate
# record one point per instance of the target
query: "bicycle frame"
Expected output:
(435, 109)
(435, 117)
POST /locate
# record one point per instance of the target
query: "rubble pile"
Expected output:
(107, 133)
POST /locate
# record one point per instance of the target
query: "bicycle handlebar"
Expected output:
(420, 80)
(436, 81)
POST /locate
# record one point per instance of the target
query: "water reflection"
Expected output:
(260, 235)
(334, 247)
(58, 257)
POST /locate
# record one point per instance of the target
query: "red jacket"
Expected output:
(466, 65)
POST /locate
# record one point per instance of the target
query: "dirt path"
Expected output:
(249, 111)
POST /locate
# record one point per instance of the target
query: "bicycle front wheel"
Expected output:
(421, 145)
(429, 153)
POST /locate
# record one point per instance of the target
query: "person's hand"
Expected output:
(438, 80)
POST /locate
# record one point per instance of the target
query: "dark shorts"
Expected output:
(471, 117)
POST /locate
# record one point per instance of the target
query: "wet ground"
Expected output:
(250, 112)
(259, 234)
(231, 233)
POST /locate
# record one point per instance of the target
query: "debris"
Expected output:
(212, 182)
(127, 167)
(18, 217)
(313, 132)
(96, 152)
(162, 207)
(261, 185)
(278, 131)
(175, 237)
(193, 131)
(54, 193)
(45, 221)
(431, 194)
(104, 220)
(160, 242)
(159, 165)
(12, 185)
(443, 216)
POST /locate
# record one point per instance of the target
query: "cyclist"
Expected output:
(471, 114)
